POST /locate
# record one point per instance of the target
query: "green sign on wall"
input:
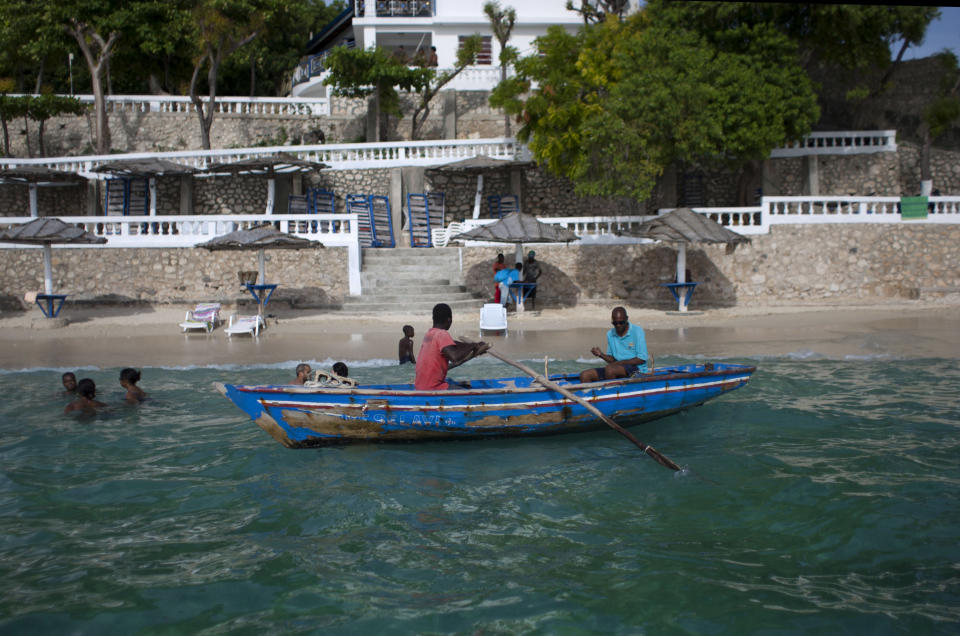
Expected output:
(913, 207)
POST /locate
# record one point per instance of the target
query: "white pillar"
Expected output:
(152, 186)
(478, 198)
(33, 202)
(271, 194)
(682, 274)
(47, 269)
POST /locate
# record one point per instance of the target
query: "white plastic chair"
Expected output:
(244, 324)
(493, 317)
(204, 316)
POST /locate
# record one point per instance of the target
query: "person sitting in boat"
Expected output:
(303, 372)
(405, 350)
(341, 369)
(439, 352)
(87, 404)
(626, 351)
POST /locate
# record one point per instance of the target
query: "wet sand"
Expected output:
(149, 336)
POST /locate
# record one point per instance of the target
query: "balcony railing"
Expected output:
(394, 8)
(841, 143)
(246, 106)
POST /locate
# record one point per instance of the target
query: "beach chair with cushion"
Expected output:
(493, 317)
(204, 316)
(250, 325)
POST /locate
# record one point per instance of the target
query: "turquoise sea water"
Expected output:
(824, 497)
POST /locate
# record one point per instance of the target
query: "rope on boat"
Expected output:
(323, 378)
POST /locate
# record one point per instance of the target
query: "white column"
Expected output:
(33, 202)
(152, 186)
(271, 194)
(682, 274)
(47, 269)
(478, 198)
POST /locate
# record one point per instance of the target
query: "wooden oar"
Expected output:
(553, 386)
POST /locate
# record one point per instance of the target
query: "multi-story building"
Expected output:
(416, 28)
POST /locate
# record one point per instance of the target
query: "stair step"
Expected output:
(411, 307)
(400, 298)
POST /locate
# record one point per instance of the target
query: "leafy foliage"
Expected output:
(466, 55)
(620, 101)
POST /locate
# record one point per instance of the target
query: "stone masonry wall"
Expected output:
(308, 278)
(792, 263)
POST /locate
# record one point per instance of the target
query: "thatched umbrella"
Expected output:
(479, 165)
(683, 226)
(48, 231)
(269, 167)
(148, 169)
(261, 237)
(39, 176)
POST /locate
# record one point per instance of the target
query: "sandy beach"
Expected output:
(149, 336)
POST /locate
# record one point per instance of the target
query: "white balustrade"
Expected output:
(840, 143)
(337, 156)
(246, 106)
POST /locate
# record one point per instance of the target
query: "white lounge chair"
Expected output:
(204, 316)
(493, 317)
(244, 324)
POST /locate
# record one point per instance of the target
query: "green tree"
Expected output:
(594, 12)
(360, 73)
(620, 101)
(40, 108)
(942, 113)
(11, 107)
(501, 23)
(433, 83)
(221, 27)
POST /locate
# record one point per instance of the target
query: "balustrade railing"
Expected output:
(853, 209)
(246, 106)
(841, 143)
(337, 156)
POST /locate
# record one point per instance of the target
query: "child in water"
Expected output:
(128, 380)
(69, 380)
(88, 403)
(341, 370)
(405, 353)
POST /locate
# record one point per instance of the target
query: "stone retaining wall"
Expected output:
(792, 263)
(307, 278)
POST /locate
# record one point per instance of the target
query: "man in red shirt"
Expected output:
(439, 352)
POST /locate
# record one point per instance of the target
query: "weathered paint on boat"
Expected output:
(298, 416)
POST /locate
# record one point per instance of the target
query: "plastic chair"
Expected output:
(493, 317)
(244, 324)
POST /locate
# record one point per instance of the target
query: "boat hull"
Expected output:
(300, 417)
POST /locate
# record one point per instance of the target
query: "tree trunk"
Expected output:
(253, 74)
(925, 153)
(95, 64)
(26, 137)
(6, 138)
(506, 115)
(43, 151)
(39, 85)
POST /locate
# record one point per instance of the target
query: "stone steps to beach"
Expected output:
(411, 281)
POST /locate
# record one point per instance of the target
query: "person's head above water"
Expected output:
(341, 369)
(129, 376)
(87, 388)
(69, 380)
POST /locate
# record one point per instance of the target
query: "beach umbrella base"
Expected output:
(49, 323)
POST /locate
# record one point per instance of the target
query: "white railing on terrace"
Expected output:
(332, 230)
(247, 106)
(472, 78)
(337, 156)
(841, 143)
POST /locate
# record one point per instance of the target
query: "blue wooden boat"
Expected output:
(302, 416)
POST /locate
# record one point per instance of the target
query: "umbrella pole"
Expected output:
(682, 273)
(47, 269)
(262, 279)
(33, 201)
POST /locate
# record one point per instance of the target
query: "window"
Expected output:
(485, 56)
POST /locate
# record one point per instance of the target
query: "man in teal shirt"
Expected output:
(626, 351)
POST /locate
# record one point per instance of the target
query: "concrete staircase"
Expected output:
(411, 281)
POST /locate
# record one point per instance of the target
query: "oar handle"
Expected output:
(553, 386)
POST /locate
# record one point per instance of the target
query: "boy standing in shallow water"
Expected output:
(405, 352)
(87, 403)
(128, 380)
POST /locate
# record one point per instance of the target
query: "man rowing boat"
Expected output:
(439, 352)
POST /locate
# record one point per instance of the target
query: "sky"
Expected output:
(942, 34)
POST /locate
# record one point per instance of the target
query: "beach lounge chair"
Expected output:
(244, 324)
(493, 317)
(204, 316)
